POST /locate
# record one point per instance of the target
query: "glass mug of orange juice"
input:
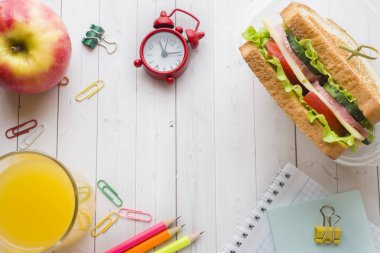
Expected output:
(42, 205)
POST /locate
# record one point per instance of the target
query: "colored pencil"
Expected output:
(155, 241)
(141, 237)
(179, 244)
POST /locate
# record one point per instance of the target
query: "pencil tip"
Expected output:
(179, 217)
(201, 233)
(183, 225)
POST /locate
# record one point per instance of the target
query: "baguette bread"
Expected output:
(355, 75)
(289, 102)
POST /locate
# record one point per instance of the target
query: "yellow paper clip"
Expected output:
(84, 220)
(103, 225)
(90, 90)
(331, 233)
(84, 193)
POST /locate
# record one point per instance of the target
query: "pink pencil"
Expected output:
(143, 236)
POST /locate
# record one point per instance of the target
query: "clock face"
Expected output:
(164, 52)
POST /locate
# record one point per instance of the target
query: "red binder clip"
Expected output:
(21, 129)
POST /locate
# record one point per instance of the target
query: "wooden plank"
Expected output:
(43, 107)
(77, 122)
(274, 138)
(117, 117)
(9, 118)
(362, 178)
(275, 143)
(196, 131)
(309, 158)
(375, 40)
(155, 130)
(234, 121)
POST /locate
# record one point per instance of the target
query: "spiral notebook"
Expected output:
(291, 186)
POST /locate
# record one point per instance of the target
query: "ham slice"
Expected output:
(305, 70)
(340, 109)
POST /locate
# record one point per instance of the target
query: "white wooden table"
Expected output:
(204, 148)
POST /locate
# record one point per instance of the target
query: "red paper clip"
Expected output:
(21, 129)
(134, 215)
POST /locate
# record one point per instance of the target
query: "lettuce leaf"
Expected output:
(260, 38)
(329, 135)
(314, 61)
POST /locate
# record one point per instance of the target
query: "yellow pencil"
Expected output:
(179, 244)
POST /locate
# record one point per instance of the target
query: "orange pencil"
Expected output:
(155, 240)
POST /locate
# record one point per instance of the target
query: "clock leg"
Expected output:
(170, 80)
(137, 63)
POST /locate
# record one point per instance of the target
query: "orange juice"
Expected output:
(38, 202)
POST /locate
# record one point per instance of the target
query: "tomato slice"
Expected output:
(274, 51)
(313, 101)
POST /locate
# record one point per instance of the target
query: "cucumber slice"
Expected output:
(352, 108)
(300, 52)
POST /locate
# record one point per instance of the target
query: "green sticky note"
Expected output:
(293, 226)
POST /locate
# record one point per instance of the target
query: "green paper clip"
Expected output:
(112, 195)
(94, 36)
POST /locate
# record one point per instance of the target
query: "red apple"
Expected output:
(35, 47)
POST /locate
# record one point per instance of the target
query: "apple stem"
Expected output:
(16, 49)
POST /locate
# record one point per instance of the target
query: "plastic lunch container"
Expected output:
(364, 29)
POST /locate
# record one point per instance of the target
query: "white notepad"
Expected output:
(291, 186)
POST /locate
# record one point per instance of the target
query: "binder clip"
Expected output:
(330, 233)
(94, 36)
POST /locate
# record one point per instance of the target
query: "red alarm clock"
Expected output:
(164, 52)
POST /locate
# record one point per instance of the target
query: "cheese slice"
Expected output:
(301, 77)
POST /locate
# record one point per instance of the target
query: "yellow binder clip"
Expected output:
(330, 233)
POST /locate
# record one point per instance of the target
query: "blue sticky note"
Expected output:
(293, 226)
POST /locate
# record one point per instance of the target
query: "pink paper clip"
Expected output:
(21, 129)
(126, 213)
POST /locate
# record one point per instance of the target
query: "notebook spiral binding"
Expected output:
(250, 223)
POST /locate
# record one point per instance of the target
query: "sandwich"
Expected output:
(307, 65)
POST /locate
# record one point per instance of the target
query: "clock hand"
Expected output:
(162, 48)
(163, 51)
(173, 52)
(167, 40)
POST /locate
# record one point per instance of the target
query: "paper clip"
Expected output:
(65, 81)
(84, 193)
(84, 220)
(112, 196)
(21, 129)
(135, 214)
(94, 36)
(330, 233)
(103, 225)
(90, 90)
(32, 137)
